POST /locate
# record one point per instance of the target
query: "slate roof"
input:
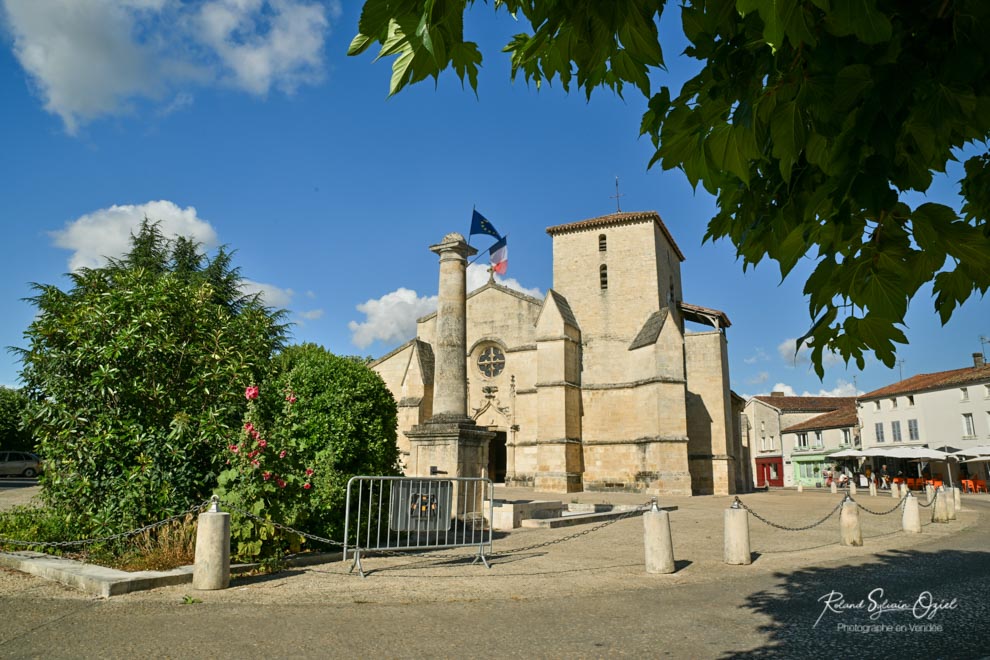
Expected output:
(651, 330)
(841, 418)
(807, 403)
(617, 219)
(939, 380)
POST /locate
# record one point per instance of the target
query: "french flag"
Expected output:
(499, 254)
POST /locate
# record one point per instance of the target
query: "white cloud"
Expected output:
(761, 377)
(106, 232)
(842, 388)
(271, 295)
(391, 318)
(803, 355)
(93, 58)
(758, 356)
(312, 314)
(258, 49)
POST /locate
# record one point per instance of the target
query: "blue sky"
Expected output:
(242, 122)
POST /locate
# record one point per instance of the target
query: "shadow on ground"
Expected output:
(828, 612)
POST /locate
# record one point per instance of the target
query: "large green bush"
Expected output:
(13, 435)
(316, 422)
(135, 378)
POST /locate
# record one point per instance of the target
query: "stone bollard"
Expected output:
(940, 512)
(895, 490)
(657, 541)
(849, 529)
(950, 503)
(800, 488)
(852, 488)
(930, 493)
(873, 489)
(736, 547)
(835, 488)
(212, 568)
(911, 517)
(957, 497)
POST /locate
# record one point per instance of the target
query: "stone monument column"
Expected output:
(450, 444)
(450, 342)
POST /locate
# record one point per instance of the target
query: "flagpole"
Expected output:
(481, 254)
(474, 207)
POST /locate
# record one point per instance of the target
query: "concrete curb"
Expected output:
(106, 582)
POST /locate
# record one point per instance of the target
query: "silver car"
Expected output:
(19, 463)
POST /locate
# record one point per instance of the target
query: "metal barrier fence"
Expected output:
(403, 514)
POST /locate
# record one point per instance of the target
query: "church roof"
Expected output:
(700, 314)
(650, 331)
(491, 284)
(613, 219)
(565, 309)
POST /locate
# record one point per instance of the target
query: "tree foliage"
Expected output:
(809, 121)
(135, 378)
(13, 435)
(315, 422)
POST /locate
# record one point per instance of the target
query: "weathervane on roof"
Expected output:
(616, 196)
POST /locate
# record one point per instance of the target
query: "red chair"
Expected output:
(967, 485)
(980, 485)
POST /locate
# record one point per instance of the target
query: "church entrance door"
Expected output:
(497, 458)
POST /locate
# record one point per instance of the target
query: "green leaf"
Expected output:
(788, 134)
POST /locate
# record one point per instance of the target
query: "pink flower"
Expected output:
(266, 475)
(307, 485)
(309, 471)
(233, 448)
(281, 454)
(255, 463)
(249, 427)
(280, 482)
(290, 398)
(252, 454)
(255, 434)
(251, 393)
(262, 443)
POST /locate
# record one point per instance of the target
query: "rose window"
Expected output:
(491, 362)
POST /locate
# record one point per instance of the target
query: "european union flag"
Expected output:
(480, 225)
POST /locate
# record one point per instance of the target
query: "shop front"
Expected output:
(769, 472)
(808, 469)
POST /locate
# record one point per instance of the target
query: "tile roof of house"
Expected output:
(807, 403)
(618, 219)
(841, 418)
(935, 381)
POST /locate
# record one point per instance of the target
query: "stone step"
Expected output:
(584, 518)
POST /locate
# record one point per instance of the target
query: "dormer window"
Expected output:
(602, 243)
(603, 277)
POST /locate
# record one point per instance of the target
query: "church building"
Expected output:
(598, 386)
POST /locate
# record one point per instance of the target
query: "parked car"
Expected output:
(19, 463)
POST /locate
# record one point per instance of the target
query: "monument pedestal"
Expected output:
(456, 447)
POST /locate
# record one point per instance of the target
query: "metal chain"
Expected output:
(786, 528)
(925, 506)
(882, 513)
(642, 508)
(285, 528)
(103, 539)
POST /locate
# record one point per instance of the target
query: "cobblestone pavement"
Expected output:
(589, 597)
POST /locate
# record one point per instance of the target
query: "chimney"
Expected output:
(777, 394)
(978, 360)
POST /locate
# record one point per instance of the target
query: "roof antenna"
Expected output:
(616, 196)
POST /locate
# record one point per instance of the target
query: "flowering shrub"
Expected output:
(320, 420)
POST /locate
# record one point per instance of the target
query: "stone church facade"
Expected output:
(597, 386)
